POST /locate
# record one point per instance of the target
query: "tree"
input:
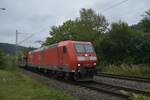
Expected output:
(2, 61)
(85, 28)
(145, 22)
(96, 22)
(115, 47)
(140, 49)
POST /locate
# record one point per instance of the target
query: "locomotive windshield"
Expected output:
(82, 48)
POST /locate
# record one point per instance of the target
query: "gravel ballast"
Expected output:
(79, 93)
(124, 83)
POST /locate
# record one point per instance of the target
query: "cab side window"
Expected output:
(64, 49)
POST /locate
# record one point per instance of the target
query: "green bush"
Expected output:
(2, 60)
(131, 70)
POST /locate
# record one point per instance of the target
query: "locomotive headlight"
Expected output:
(86, 55)
(79, 65)
(93, 58)
(94, 64)
(73, 71)
(80, 58)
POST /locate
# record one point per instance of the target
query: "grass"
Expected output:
(140, 97)
(136, 96)
(17, 86)
(132, 70)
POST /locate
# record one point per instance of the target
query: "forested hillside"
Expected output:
(9, 48)
(115, 43)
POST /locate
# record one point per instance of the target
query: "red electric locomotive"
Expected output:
(74, 58)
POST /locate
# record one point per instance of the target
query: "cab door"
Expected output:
(60, 56)
(63, 59)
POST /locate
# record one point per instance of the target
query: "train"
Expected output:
(73, 59)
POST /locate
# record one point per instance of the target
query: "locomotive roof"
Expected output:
(62, 43)
(68, 41)
(44, 48)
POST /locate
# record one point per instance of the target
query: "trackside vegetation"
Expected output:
(139, 97)
(130, 70)
(17, 86)
(2, 59)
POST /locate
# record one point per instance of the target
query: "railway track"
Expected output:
(89, 85)
(119, 89)
(131, 78)
(103, 87)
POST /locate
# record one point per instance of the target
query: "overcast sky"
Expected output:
(37, 16)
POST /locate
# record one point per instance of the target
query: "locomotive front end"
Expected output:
(86, 61)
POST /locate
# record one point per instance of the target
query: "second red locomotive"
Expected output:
(71, 58)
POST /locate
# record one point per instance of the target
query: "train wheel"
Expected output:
(68, 76)
(76, 76)
(45, 70)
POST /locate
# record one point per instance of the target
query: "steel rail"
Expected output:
(98, 89)
(136, 91)
(123, 77)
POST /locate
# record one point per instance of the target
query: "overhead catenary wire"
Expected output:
(137, 13)
(27, 38)
(115, 5)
